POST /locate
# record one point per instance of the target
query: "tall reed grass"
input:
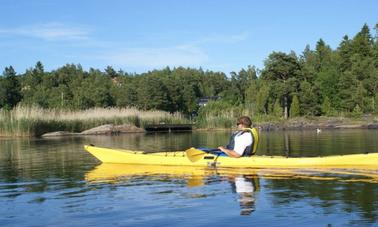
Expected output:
(225, 118)
(35, 121)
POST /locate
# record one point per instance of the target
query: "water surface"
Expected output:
(54, 182)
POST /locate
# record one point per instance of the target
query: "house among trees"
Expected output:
(204, 100)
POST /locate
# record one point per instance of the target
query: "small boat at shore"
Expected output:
(196, 157)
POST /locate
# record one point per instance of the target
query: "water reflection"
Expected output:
(37, 174)
(245, 183)
(245, 186)
(302, 143)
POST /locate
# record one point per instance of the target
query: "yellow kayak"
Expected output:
(195, 157)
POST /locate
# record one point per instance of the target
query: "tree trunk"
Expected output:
(285, 107)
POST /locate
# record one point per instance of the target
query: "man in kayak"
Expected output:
(241, 141)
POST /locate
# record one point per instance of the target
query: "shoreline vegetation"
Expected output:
(36, 122)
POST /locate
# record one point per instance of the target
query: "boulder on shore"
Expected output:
(127, 128)
(107, 129)
(59, 133)
(100, 130)
(111, 129)
(373, 126)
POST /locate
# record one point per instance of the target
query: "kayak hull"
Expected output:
(179, 158)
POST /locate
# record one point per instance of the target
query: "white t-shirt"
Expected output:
(242, 140)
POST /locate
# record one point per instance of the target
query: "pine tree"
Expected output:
(375, 47)
(284, 70)
(277, 109)
(323, 56)
(10, 89)
(362, 100)
(294, 108)
(262, 99)
(347, 87)
(357, 111)
(345, 53)
(309, 99)
(326, 107)
(362, 42)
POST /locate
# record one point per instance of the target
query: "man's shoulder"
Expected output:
(247, 134)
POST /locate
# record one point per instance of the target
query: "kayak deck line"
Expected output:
(181, 158)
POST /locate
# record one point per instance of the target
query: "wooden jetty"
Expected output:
(168, 127)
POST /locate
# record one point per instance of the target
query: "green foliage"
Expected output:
(277, 109)
(285, 70)
(262, 99)
(219, 114)
(327, 82)
(242, 80)
(294, 108)
(362, 100)
(323, 56)
(347, 88)
(357, 111)
(326, 107)
(152, 94)
(10, 89)
(309, 99)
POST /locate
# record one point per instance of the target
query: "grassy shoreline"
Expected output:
(34, 121)
(303, 123)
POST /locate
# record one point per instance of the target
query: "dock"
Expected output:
(168, 127)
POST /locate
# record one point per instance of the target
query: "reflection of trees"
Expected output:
(38, 165)
(350, 196)
(31, 165)
(299, 143)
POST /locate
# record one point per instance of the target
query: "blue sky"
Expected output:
(141, 35)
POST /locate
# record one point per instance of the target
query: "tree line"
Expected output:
(319, 81)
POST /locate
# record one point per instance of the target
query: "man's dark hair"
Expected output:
(246, 121)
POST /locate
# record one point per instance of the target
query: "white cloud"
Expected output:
(49, 32)
(191, 53)
(159, 57)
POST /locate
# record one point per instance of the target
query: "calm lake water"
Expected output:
(54, 182)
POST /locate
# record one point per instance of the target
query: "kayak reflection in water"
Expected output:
(245, 187)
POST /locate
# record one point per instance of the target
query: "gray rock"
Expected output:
(59, 133)
(373, 126)
(111, 129)
(100, 130)
(127, 128)
(348, 126)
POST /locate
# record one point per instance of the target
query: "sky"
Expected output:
(141, 35)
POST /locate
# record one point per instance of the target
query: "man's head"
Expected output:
(244, 121)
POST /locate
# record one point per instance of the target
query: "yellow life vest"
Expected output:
(255, 136)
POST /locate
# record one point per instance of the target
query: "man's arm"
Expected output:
(229, 152)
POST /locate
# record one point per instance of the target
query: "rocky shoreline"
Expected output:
(110, 129)
(311, 126)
